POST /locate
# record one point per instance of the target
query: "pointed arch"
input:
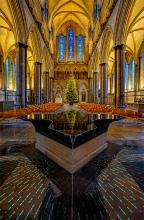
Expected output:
(107, 44)
(121, 24)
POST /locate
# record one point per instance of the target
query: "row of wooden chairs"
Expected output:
(44, 108)
(93, 108)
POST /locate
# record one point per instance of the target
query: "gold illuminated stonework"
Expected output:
(38, 25)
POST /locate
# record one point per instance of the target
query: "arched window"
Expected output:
(61, 48)
(141, 63)
(7, 73)
(45, 11)
(133, 74)
(70, 45)
(13, 77)
(79, 48)
(10, 75)
(97, 10)
(126, 76)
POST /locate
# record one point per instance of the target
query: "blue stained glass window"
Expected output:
(70, 45)
(61, 48)
(126, 76)
(13, 71)
(45, 10)
(133, 74)
(97, 10)
(79, 48)
(7, 72)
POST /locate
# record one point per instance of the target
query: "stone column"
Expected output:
(37, 83)
(136, 80)
(51, 90)
(129, 77)
(113, 83)
(21, 76)
(95, 86)
(140, 75)
(92, 90)
(104, 83)
(88, 89)
(45, 86)
(90, 94)
(119, 76)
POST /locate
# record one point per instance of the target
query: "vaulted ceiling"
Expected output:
(136, 28)
(78, 11)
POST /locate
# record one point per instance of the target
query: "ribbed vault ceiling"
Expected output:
(77, 11)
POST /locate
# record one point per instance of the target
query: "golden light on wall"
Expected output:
(42, 81)
(32, 82)
(1, 64)
(28, 80)
(109, 83)
(142, 73)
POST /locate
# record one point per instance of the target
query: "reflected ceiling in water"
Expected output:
(71, 122)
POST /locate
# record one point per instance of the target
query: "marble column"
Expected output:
(45, 86)
(95, 86)
(37, 83)
(104, 83)
(21, 76)
(119, 76)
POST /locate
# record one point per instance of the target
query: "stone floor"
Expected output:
(111, 186)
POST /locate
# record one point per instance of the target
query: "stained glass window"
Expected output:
(45, 12)
(61, 48)
(13, 75)
(79, 48)
(133, 74)
(70, 45)
(126, 76)
(97, 10)
(7, 73)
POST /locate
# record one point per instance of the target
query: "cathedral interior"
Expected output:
(72, 109)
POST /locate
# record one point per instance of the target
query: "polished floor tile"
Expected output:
(111, 186)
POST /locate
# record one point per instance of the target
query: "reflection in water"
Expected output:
(71, 118)
(72, 122)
